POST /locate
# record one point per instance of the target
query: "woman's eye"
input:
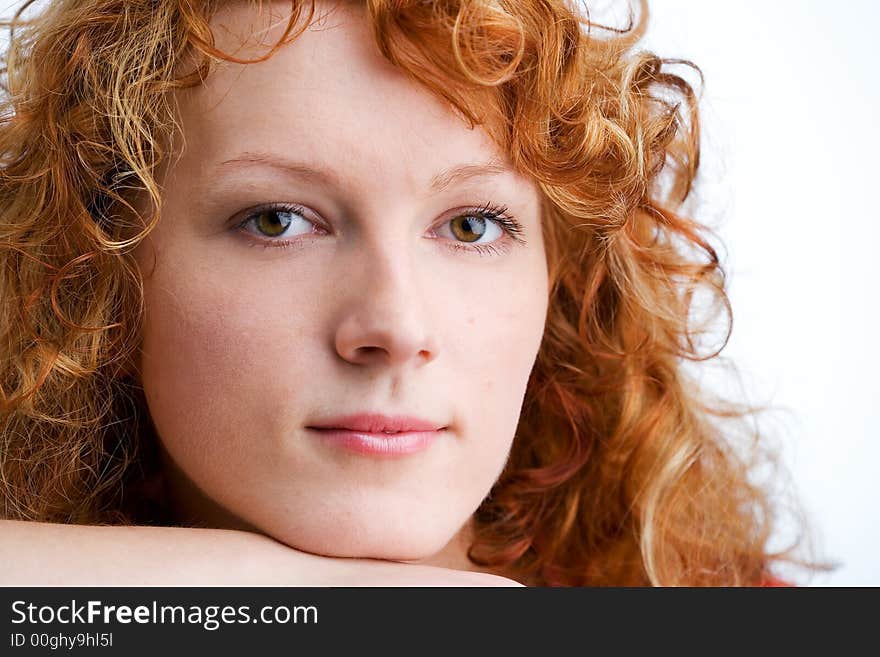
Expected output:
(484, 230)
(277, 222)
(471, 228)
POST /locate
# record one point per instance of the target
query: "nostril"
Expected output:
(369, 351)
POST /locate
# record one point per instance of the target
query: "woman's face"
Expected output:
(321, 253)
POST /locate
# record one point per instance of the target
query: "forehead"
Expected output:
(329, 97)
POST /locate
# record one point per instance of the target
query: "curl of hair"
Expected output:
(618, 474)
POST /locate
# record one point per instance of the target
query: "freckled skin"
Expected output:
(244, 346)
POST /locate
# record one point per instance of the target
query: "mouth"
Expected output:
(378, 435)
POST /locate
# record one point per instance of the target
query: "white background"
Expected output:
(789, 179)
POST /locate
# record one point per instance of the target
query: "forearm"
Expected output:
(34, 553)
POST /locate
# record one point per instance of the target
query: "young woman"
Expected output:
(384, 292)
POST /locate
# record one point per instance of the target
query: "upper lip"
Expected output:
(377, 423)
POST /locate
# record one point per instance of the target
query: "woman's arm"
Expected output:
(36, 553)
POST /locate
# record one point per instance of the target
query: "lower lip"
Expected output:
(387, 445)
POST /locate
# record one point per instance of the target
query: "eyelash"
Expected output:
(497, 214)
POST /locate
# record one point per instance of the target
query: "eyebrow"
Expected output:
(443, 180)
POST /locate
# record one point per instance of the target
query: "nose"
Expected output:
(384, 315)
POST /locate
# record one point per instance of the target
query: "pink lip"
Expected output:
(379, 444)
(379, 435)
(377, 423)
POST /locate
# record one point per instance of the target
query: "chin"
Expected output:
(382, 539)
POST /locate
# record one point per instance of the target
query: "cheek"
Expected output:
(494, 350)
(202, 343)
